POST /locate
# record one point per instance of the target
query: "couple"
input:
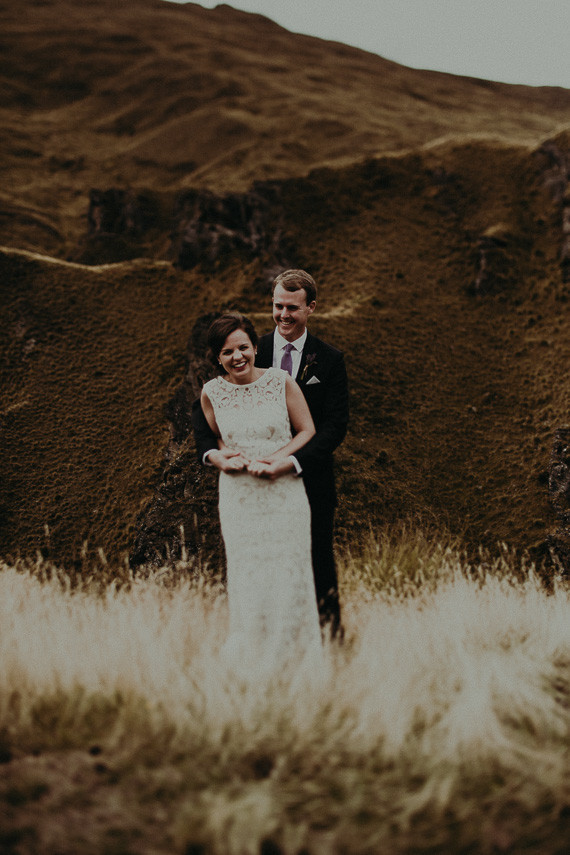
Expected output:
(272, 437)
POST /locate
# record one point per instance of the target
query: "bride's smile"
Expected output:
(237, 358)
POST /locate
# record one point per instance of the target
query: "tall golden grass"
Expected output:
(441, 725)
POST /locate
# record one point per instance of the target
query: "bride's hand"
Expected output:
(257, 467)
(272, 467)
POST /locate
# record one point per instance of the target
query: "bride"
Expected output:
(265, 522)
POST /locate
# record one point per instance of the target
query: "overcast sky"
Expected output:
(515, 41)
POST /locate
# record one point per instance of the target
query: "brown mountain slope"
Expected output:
(456, 392)
(424, 204)
(163, 96)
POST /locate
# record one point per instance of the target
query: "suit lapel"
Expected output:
(264, 358)
(308, 348)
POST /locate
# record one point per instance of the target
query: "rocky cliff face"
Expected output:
(556, 549)
(166, 529)
(209, 230)
(456, 389)
(554, 156)
(196, 228)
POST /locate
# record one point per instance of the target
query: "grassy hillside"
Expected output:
(166, 96)
(455, 396)
(388, 181)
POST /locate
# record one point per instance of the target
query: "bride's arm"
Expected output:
(224, 458)
(301, 420)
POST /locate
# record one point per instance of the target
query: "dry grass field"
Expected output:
(440, 726)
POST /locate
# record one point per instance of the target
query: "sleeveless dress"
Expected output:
(266, 527)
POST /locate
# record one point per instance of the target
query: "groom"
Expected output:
(320, 371)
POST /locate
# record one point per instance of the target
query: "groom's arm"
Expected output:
(204, 437)
(207, 447)
(331, 418)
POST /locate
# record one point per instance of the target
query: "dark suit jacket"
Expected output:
(323, 381)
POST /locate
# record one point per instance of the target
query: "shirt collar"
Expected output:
(298, 344)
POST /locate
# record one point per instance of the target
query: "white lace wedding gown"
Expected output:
(266, 526)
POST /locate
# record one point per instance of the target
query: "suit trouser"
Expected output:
(324, 569)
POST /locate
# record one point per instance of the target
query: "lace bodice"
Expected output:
(252, 418)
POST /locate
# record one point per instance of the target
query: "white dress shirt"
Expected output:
(279, 344)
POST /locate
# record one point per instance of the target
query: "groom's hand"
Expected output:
(257, 467)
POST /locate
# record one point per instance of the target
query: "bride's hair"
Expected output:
(224, 326)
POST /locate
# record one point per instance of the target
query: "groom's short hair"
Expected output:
(297, 280)
(224, 326)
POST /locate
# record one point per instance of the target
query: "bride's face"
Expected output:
(237, 357)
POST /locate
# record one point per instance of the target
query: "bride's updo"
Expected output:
(224, 326)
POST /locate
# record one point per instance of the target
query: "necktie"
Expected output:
(287, 359)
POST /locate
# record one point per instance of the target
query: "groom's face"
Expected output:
(291, 312)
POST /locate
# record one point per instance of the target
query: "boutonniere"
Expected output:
(310, 362)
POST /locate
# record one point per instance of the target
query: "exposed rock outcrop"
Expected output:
(494, 261)
(556, 168)
(116, 211)
(565, 251)
(168, 528)
(209, 229)
(120, 224)
(558, 544)
(198, 228)
(555, 158)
